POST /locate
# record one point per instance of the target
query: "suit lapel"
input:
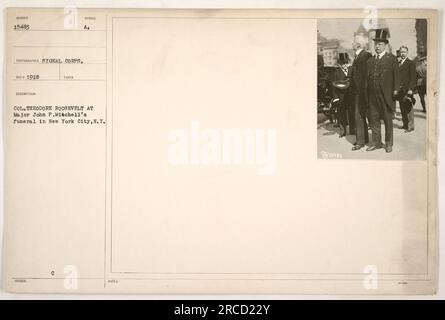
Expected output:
(340, 74)
(385, 58)
(358, 56)
(373, 61)
(404, 64)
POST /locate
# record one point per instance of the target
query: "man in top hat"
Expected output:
(382, 87)
(407, 71)
(358, 93)
(340, 91)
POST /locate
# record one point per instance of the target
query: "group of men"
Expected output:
(375, 83)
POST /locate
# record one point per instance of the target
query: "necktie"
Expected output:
(375, 75)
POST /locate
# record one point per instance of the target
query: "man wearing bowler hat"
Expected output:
(382, 87)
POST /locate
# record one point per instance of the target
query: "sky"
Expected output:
(402, 32)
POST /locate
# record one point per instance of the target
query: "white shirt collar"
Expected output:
(381, 54)
(403, 60)
(358, 51)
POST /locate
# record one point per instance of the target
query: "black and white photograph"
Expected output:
(171, 152)
(372, 89)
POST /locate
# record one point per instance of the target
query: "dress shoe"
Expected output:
(357, 147)
(409, 130)
(372, 148)
(388, 149)
(342, 135)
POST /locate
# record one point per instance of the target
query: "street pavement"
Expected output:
(407, 146)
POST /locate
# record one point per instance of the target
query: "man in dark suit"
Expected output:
(407, 71)
(421, 80)
(358, 93)
(382, 83)
(340, 92)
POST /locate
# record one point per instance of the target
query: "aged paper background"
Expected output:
(113, 206)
